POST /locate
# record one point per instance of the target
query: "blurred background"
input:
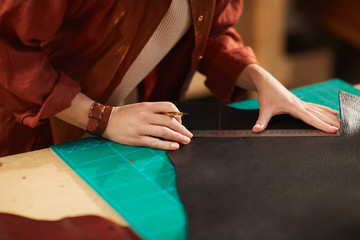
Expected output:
(300, 42)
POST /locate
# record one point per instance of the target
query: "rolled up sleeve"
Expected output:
(29, 85)
(226, 56)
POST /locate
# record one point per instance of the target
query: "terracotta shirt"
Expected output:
(52, 49)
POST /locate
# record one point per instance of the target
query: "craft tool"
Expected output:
(174, 114)
(266, 133)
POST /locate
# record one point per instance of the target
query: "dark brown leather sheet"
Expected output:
(270, 187)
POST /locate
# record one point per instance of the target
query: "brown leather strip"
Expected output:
(98, 118)
(103, 121)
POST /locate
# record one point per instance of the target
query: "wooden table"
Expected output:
(39, 185)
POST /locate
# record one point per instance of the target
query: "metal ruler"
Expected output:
(266, 133)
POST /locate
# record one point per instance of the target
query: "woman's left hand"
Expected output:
(275, 99)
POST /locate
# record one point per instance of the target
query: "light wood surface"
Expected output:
(39, 185)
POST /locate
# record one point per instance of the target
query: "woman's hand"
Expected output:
(142, 124)
(275, 99)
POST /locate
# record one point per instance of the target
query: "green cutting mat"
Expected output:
(324, 93)
(139, 183)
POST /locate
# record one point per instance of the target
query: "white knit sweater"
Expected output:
(170, 30)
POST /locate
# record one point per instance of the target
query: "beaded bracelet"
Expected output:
(98, 118)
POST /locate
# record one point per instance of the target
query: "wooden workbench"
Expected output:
(39, 185)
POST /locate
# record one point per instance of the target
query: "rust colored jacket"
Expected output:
(52, 49)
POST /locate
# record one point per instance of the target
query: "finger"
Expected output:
(178, 119)
(324, 108)
(172, 123)
(161, 107)
(262, 122)
(166, 133)
(325, 116)
(152, 142)
(314, 121)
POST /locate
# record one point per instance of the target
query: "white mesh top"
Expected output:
(170, 30)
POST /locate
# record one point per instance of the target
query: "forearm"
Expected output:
(254, 77)
(77, 114)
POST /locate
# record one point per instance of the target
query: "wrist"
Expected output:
(254, 77)
(248, 76)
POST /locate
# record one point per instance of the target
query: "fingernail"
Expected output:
(187, 133)
(190, 134)
(258, 125)
(185, 139)
(174, 146)
(336, 128)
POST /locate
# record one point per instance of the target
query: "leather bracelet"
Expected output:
(98, 118)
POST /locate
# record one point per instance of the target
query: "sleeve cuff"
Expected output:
(59, 99)
(225, 69)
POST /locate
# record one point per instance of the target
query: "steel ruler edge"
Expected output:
(265, 133)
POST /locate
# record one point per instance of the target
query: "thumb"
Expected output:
(262, 122)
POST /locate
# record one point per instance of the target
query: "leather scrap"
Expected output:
(70, 228)
(350, 116)
(272, 188)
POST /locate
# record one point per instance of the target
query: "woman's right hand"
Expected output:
(143, 124)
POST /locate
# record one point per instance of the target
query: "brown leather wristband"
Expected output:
(98, 118)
